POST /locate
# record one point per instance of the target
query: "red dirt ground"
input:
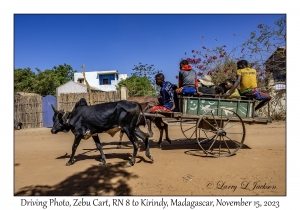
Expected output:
(178, 169)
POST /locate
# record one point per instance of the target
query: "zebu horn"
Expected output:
(54, 109)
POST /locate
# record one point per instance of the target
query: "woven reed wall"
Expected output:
(67, 101)
(28, 110)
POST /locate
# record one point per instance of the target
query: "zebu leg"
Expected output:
(148, 119)
(149, 126)
(74, 147)
(120, 141)
(145, 139)
(99, 147)
(134, 141)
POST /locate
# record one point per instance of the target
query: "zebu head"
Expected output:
(59, 121)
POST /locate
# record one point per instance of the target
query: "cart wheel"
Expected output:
(220, 132)
(188, 128)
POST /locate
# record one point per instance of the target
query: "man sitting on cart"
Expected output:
(246, 78)
(206, 87)
(166, 99)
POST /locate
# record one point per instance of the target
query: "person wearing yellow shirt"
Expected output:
(235, 94)
(246, 78)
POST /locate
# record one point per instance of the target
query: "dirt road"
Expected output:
(259, 168)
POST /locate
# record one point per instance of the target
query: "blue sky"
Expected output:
(120, 41)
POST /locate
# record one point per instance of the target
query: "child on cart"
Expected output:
(228, 84)
(187, 79)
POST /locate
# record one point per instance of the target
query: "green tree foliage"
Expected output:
(142, 81)
(145, 70)
(44, 82)
(138, 86)
(64, 73)
(23, 80)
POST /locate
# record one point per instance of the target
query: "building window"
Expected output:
(105, 82)
(106, 79)
(80, 81)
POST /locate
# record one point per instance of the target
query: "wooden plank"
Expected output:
(255, 120)
(176, 115)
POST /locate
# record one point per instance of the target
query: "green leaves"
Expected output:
(23, 80)
(138, 86)
(145, 70)
(142, 81)
(44, 82)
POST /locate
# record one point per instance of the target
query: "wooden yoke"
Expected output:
(88, 86)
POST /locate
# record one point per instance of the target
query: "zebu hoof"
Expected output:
(129, 164)
(168, 140)
(102, 163)
(150, 157)
(70, 163)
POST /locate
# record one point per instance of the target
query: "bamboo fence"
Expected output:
(66, 101)
(28, 110)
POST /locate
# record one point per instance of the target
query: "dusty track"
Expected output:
(179, 169)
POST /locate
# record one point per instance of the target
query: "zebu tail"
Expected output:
(146, 135)
(146, 126)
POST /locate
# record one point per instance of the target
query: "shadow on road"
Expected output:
(110, 179)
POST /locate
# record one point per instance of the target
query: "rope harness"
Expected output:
(59, 120)
(67, 121)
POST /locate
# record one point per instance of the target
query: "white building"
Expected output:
(103, 80)
(73, 87)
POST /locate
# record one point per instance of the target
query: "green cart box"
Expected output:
(200, 106)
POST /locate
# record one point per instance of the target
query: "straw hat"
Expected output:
(206, 80)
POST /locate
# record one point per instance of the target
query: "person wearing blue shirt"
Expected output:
(166, 99)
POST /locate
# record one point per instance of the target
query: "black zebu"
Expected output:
(160, 124)
(86, 121)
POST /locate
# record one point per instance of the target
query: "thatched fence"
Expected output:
(28, 107)
(28, 110)
(66, 101)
